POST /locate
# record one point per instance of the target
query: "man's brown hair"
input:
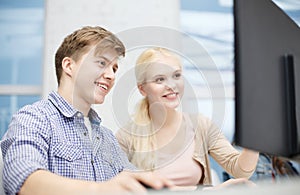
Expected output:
(79, 42)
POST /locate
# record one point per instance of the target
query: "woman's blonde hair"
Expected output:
(143, 146)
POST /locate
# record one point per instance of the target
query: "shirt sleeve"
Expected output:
(24, 148)
(121, 155)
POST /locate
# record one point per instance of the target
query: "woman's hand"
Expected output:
(232, 183)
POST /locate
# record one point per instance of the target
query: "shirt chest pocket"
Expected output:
(67, 152)
(67, 160)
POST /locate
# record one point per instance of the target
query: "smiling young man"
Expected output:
(58, 145)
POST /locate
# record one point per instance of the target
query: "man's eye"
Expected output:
(101, 62)
(115, 69)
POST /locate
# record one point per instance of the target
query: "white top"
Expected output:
(88, 125)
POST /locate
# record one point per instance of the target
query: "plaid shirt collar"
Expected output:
(68, 110)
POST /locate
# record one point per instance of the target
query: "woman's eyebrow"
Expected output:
(158, 75)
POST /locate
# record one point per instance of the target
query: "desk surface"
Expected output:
(288, 187)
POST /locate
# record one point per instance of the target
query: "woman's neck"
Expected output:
(169, 130)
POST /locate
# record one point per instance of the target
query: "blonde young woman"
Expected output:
(162, 139)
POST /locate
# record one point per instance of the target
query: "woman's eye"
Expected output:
(160, 80)
(177, 75)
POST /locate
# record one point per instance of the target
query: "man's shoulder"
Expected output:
(107, 131)
(39, 107)
(40, 110)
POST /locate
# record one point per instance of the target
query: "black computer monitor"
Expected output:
(267, 79)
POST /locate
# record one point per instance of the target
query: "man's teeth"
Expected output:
(103, 86)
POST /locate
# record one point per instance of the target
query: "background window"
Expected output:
(21, 52)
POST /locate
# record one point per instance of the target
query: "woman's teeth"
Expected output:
(170, 95)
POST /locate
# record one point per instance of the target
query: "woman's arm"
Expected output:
(248, 159)
(236, 163)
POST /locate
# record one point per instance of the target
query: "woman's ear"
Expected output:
(67, 65)
(141, 89)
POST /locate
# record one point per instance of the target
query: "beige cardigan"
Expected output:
(209, 140)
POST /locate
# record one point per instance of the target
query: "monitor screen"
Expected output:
(267, 78)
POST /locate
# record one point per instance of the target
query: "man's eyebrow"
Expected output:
(106, 59)
(99, 56)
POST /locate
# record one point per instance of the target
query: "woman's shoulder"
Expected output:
(128, 127)
(197, 118)
(199, 123)
(131, 129)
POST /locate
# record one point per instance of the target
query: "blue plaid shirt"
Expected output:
(51, 135)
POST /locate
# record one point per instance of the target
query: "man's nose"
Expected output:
(109, 73)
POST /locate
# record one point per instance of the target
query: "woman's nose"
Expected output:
(170, 83)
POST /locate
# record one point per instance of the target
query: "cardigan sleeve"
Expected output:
(123, 139)
(222, 150)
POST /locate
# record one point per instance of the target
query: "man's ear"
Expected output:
(141, 89)
(67, 65)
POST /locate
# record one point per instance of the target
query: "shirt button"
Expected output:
(85, 134)
(97, 138)
(92, 161)
(79, 114)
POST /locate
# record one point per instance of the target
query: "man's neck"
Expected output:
(68, 94)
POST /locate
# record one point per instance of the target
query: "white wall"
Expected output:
(121, 17)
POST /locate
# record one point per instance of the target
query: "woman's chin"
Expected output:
(171, 105)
